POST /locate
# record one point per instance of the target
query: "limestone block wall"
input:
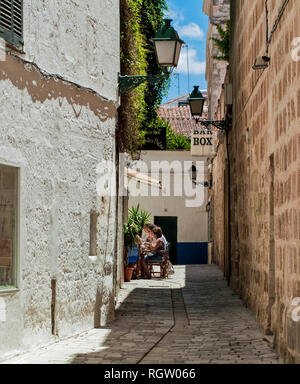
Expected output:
(219, 184)
(264, 148)
(218, 12)
(56, 132)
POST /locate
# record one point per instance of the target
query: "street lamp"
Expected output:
(196, 101)
(167, 45)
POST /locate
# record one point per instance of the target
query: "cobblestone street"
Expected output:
(192, 317)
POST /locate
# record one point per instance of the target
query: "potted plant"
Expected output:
(132, 229)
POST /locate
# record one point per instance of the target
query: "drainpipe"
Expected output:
(229, 197)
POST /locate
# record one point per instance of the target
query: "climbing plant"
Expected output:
(177, 141)
(223, 43)
(152, 18)
(174, 140)
(140, 19)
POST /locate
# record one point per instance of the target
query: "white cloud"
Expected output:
(191, 30)
(196, 67)
(174, 13)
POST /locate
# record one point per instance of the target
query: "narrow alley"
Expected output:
(191, 317)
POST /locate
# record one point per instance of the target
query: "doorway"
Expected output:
(169, 226)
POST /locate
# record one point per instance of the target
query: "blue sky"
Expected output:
(191, 24)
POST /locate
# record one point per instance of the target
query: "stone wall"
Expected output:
(58, 116)
(264, 147)
(218, 12)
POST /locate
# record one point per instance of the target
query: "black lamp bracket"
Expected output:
(128, 83)
(219, 124)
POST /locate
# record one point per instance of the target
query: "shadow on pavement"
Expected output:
(194, 317)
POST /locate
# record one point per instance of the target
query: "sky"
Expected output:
(191, 24)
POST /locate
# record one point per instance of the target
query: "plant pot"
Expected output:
(128, 274)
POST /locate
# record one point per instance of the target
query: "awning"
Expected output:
(142, 178)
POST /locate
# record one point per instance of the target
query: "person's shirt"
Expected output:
(165, 242)
(157, 245)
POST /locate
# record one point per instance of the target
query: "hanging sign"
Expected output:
(202, 142)
(156, 141)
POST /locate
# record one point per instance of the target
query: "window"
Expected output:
(11, 22)
(8, 226)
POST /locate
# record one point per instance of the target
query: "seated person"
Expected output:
(146, 238)
(165, 242)
(156, 245)
(144, 243)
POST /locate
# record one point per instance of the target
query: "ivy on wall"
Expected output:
(223, 43)
(140, 19)
(175, 141)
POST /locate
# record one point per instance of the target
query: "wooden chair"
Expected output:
(162, 273)
(138, 266)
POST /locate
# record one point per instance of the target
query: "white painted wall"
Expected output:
(192, 222)
(57, 134)
(78, 39)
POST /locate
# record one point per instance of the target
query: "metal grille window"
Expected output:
(11, 22)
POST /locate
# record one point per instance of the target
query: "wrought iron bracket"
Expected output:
(128, 83)
(219, 124)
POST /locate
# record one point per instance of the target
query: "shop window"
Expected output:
(8, 226)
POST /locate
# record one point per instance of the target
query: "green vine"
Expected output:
(223, 44)
(175, 141)
(140, 19)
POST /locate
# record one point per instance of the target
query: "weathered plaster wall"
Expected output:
(57, 133)
(77, 39)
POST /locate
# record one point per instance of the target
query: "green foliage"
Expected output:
(131, 231)
(133, 62)
(134, 226)
(177, 141)
(223, 43)
(140, 19)
(139, 217)
(152, 18)
(174, 140)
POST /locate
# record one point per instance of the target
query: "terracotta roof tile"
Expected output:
(180, 119)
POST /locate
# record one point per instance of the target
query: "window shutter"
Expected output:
(11, 21)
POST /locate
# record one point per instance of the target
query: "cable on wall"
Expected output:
(277, 21)
(267, 26)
